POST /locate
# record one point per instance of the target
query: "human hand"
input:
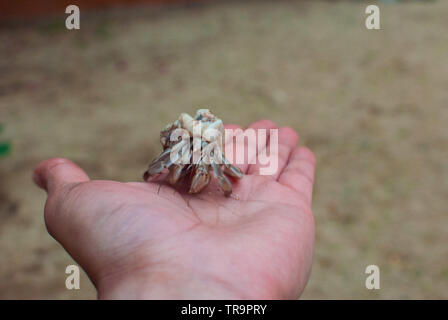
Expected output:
(152, 241)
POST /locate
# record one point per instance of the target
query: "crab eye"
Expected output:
(199, 117)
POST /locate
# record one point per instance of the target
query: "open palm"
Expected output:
(150, 240)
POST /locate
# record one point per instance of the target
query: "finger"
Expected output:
(299, 172)
(262, 142)
(229, 142)
(55, 173)
(253, 147)
(276, 154)
(287, 140)
(247, 143)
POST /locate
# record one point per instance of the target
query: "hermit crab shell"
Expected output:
(206, 129)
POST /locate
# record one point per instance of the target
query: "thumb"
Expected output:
(55, 173)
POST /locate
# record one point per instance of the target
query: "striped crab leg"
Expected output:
(201, 179)
(157, 165)
(164, 160)
(231, 170)
(175, 173)
(223, 181)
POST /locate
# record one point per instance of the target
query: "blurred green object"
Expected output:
(5, 147)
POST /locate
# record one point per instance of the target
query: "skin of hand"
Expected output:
(148, 240)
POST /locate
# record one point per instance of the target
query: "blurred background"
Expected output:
(372, 105)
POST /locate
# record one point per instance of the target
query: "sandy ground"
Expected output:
(370, 104)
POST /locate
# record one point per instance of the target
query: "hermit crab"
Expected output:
(192, 151)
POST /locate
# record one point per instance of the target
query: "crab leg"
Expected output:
(223, 181)
(200, 179)
(231, 170)
(157, 165)
(165, 160)
(175, 173)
